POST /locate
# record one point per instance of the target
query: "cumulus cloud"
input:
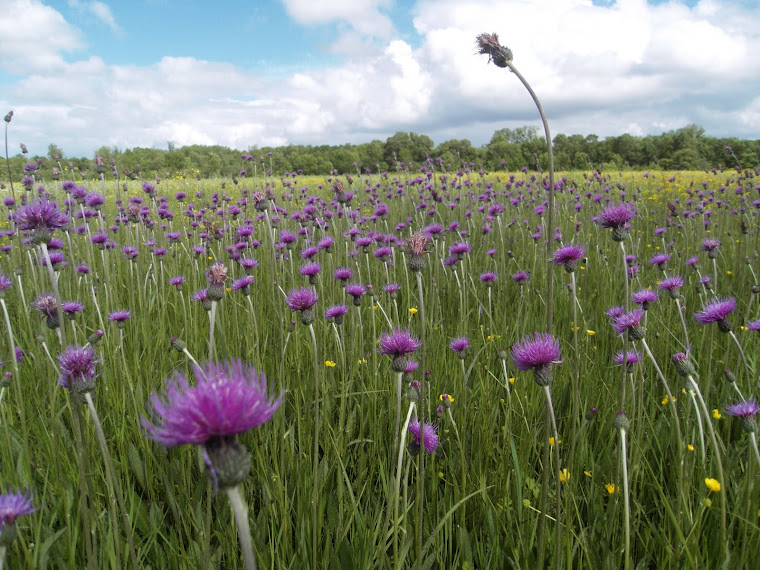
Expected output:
(628, 66)
(100, 11)
(33, 37)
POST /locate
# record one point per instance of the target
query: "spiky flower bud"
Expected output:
(622, 422)
(229, 462)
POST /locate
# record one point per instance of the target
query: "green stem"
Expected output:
(626, 499)
(240, 510)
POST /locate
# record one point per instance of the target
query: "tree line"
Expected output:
(687, 148)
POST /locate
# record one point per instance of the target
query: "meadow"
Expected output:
(372, 303)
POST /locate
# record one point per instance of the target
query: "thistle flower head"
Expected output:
(671, 284)
(716, 311)
(459, 345)
(644, 298)
(225, 400)
(631, 357)
(42, 218)
(217, 273)
(617, 218)
(12, 506)
(488, 44)
(301, 299)
(747, 411)
(46, 305)
(398, 344)
(417, 244)
(119, 317)
(78, 368)
(336, 313)
(424, 434)
(630, 324)
(568, 256)
(538, 353)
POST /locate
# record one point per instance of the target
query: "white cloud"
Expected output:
(626, 67)
(32, 37)
(101, 12)
(364, 16)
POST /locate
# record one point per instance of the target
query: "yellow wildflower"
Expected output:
(690, 447)
(712, 484)
(564, 476)
(610, 488)
(329, 364)
(716, 414)
(551, 441)
(587, 473)
(511, 380)
(590, 332)
(448, 396)
(413, 310)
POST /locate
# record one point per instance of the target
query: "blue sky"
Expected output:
(87, 73)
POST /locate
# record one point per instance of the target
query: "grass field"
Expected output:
(673, 483)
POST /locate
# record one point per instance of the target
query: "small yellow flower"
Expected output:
(590, 332)
(610, 488)
(551, 441)
(228, 289)
(743, 328)
(564, 476)
(712, 484)
(210, 258)
(511, 380)
(729, 272)
(583, 267)
(664, 400)
(329, 364)
(587, 473)
(690, 447)
(362, 361)
(716, 414)
(448, 396)
(413, 310)
(374, 307)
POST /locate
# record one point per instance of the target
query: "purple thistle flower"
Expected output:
(716, 311)
(488, 278)
(538, 353)
(425, 435)
(12, 506)
(747, 411)
(336, 313)
(710, 245)
(659, 259)
(644, 298)
(47, 306)
(177, 281)
(42, 218)
(631, 357)
(398, 345)
(459, 345)
(459, 249)
(343, 274)
(242, 284)
(78, 368)
(754, 325)
(521, 277)
(568, 256)
(617, 218)
(356, 290)
(311, 270)
(119, 317)
(692, 261)
(672, 284)
(71, 308)
(392, 289)
(227, 399)
(630, 324)
(5, 282)
(301, 299)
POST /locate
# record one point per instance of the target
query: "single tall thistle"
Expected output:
(488, 44)
(226, 400)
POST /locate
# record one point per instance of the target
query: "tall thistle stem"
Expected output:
(211, 325)
(626, 499)
(240, 511)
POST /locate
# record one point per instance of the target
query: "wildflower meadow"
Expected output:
(423, 367)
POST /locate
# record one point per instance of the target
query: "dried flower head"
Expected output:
(488, 44)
